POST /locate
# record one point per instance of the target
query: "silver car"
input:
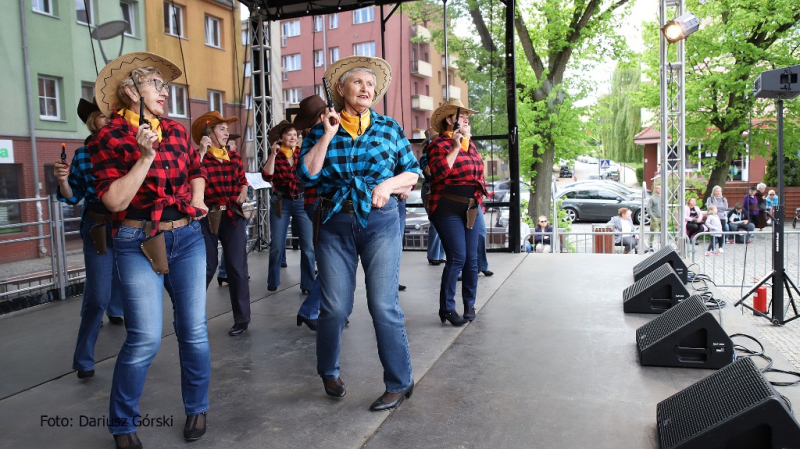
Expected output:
(595, 203)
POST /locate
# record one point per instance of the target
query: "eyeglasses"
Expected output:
(542, 221)
(158, 84)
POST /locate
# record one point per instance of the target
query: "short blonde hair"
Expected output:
(771, 192)
(90, 121)
(712, 209)
(137, 77)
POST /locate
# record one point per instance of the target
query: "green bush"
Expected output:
(639, 174)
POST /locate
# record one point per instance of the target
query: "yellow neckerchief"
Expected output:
(350, 123)
(288, 152)
(219, 153)
(464, 141)
(133, 119)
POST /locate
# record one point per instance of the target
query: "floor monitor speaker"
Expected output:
(657, 292)
(685, 336)
(733, 408)
(660, 257)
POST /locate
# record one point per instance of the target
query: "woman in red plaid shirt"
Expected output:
(226, 191)
(151, 178)
(287, 202)
(457, 189)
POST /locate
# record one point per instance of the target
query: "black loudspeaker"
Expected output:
(685, 336)
(734, 408)
(660, 257)
(657, 292)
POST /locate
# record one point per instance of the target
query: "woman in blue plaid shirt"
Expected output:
(360, 162)
(76, 183)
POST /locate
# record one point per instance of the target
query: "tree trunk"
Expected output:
(539, 203)
(719, 174)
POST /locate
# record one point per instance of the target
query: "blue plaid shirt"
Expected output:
(353, 167)
(80, 179)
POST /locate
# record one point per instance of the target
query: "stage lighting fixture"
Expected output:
(680, 28)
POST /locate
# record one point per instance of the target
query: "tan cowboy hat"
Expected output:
(310, 108)
(212, 118)
(115, 71)
(383, 76)
(446, 110)
(277, 131)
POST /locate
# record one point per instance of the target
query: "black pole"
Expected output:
(383, 55)
(513, 142)
(778, 280)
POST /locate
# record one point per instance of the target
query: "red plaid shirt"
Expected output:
(311, 195)
(467, 170)
(284, 177)
(225, 181)
(115, 151)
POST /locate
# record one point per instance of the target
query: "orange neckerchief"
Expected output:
(350, 123)
(133, 119)
(219, 153)
(464, 142)
(288, 152)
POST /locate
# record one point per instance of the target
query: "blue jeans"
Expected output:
(480, 226)
(101, 293)
(435, 250)
(143, 293)
(222, 273)
(461, 248)
(341, 241)
(279, 227)
(310, 307)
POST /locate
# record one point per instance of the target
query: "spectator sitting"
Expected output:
(693, 217)
(737, 220)
(772, 201)
(542, 235)
(625, 231)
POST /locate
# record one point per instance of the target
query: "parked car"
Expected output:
(607, 184)
(498, 189)
(611, 174)
(565, 172)
(595, 203)
(415, 235)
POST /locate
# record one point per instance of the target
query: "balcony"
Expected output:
(455, 92)
(421, 68)
(419, 31)
(421, 103)
(452, 60)
(418, 134)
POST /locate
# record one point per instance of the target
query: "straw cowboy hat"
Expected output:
(85, 109)
(277, 131)
(446, 110)
(213, 118)
(310, 108)
(383, 76)
(115, 71)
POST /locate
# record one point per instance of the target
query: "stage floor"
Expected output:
(550, 362)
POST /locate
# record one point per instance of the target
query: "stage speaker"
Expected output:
(660, 257)
(733, 408)
(685, 336)
(654, 293)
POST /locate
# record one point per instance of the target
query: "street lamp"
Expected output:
(680, 28)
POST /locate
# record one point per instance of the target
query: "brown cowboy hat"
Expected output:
(85, 109)
(310, 108)
(277, 131)
(105, 88)
(212, 119)
(383, 76)
(446, 110)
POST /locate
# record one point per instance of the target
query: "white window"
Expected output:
(248, 133)
(129, 15)
(333, 21)
(215, 101)
(291, 28)
(87, 90)
(248, 68)
(177, 100)
(319, 58)
(319, 89)
(334, 54)
(292, 96)
(292, 62)
(364, 15)
(248, 101)
(49, 107)
(319, 22)
(43, 6)
(84, 16)
(364, 49)
(213, 31)
(173, 19)
(245, 37)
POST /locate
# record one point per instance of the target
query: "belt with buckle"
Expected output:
(147, 225)
(347, 205)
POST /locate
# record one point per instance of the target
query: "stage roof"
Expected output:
(289, 9)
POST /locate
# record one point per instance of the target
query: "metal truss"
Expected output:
(263, 119)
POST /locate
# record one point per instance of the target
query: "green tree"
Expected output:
(621, 117)
(738, 40)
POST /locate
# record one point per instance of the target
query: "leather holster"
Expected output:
(278, 205)
(155, 249)
(99, 235)
(472, 214)
(214, 219)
